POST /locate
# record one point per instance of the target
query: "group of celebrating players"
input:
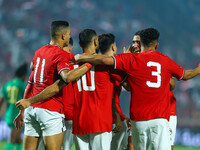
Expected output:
(84, 91)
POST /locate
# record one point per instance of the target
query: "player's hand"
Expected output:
(22, 104)
(118, 126)
(75, 59)
(131, 49)
(128, 50)
(19, 120)
(128, 122)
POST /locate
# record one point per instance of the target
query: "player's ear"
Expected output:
(96, 41)
(63, 36)
(113, 48)
(156, 45)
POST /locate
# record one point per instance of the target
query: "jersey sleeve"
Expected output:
(123, 61)
(30, 80)
(175, 70)
(117, 77)
(63, 62)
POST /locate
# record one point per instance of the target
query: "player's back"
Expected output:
(48, 62)
(93, 101)
(12, 92)
(149, 74)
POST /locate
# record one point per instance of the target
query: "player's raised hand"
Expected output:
(131, 49)
(22, 104)
(19, 120)
(126, 50)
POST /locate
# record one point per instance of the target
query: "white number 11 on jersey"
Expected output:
(155, 73)
(83, 79)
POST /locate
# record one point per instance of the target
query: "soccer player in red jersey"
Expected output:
(173, 116)
(92, 122)
(68, 101)
(149, 74)
(117, 77)
(45, 118)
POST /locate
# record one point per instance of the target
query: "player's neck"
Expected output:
(144, 49)
(57, 42)
(109, 53)
(89, 50)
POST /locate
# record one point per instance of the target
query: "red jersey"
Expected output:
(118, 77)
(172, 104)
(93, 101)
(149, 74)
(28, 90)
(68, 99)
(48, 62)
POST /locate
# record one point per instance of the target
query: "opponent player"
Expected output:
(149, 74)
(13, 91)
(46, 118)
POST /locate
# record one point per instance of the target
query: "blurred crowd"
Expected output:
(24, 27)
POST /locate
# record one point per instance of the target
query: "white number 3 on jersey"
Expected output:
(155, 73)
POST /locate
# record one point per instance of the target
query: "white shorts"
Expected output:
(118, 141)
(42, 122)
(68, 136)
(172, 128)
(153, 132)
(93, 141)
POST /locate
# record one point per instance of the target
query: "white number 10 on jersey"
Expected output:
(83, 79)
(155, 73)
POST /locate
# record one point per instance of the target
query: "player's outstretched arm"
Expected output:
(45, 94)
(55, 88)
(69, 76)
(93, 59)
(19, 120)
(189, 74)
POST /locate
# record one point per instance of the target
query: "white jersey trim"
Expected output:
(114, 62)
(62, 70)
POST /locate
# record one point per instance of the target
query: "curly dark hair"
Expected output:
(149, 36)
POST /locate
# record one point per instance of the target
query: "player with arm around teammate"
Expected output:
(149, 73)
(50, 62)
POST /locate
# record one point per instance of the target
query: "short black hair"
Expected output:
(56, 26)
(21, 70)
(105, 41)
(149, 36)
(85, 37)
(71, 41)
